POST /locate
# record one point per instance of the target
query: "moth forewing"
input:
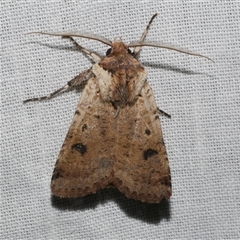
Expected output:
(142, 171)
(83, 164)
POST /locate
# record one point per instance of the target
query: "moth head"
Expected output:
(118, 48)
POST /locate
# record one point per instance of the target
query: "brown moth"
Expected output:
(115, 137)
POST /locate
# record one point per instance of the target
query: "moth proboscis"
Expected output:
(115, 138)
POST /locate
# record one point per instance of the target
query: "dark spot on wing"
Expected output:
(84, 127)
(56, 174)
(147, 131)
(167, 181)
(80, 148)
(77, 112)
(149, 153)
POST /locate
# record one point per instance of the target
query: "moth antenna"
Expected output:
(144, 34)
(82, 35)
(148, 44)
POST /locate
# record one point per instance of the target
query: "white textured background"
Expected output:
(202, 138)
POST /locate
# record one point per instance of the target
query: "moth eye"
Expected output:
(108, 51)
(129, 51)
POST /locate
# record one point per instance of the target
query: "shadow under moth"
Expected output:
(115, 138)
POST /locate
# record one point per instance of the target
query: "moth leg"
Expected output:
(164, 113)
(137, 49)
(93, 55)
(72, 83)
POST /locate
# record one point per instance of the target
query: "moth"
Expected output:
(115, 138)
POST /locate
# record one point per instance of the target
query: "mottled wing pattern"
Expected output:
(142, 171)
(102, 149)
(85, 163)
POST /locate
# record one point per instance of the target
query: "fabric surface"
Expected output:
(202, 137)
